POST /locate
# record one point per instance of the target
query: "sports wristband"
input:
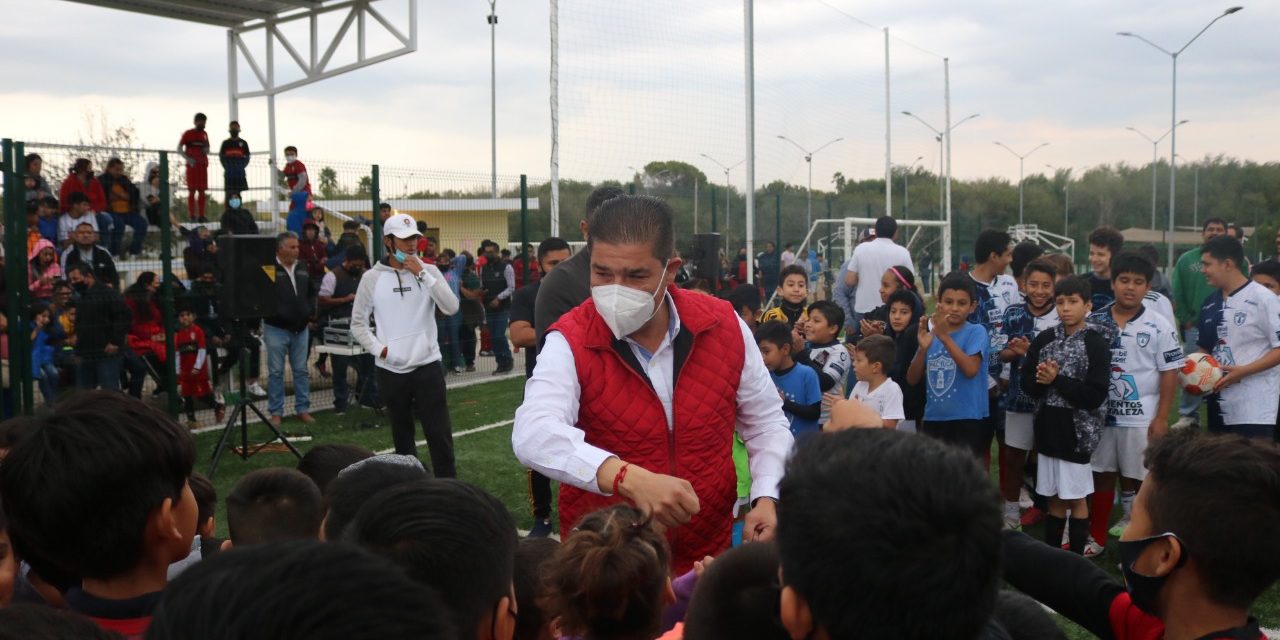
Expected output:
(622, 475)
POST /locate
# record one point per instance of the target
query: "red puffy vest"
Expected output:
(621, 413)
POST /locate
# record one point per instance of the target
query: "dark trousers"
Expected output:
(1261, 431)
(420, 394)
(467, 337)
(99, 372)
(497, 322)
(366, 387)
(540, 495)
(972, 435)
(118, 224)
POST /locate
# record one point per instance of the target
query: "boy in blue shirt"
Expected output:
(950, 360)
(798, 385)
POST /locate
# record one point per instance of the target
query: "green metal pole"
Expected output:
(524, 228)
(713, 210)
(19, 239)
(376, 190)
(631, 189)
(14, 273)
(166, 286)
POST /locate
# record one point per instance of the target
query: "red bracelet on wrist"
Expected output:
(622, 474)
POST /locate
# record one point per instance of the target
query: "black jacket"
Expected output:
(295, 307)
(239, 222)
(101, 318)
(104, 268)
(1069, 411)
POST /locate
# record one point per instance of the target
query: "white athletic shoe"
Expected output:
(1014, 523)
(256, 389)
(1092, 549)
(1024, 499)
(1186, 422)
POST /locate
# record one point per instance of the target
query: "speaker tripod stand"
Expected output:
(241, 414)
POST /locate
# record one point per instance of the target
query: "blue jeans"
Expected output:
(451, 340)
(1189, 405)
(118, 224)
(47, 375)
(99, 372)
(366, 382)
(497, 322)
(281, 343)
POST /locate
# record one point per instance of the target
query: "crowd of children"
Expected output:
(881, 532)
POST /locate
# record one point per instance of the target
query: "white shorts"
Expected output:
(1019, 430)
(1121, 449)
(1066, 480)
(907, 426)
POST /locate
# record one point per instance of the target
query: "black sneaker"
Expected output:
(541, 529)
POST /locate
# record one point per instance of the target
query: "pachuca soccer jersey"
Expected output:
(1146, 347)
(1248, 327)
(1020, 322)
(993, 298)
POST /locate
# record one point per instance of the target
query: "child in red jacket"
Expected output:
(193, 372)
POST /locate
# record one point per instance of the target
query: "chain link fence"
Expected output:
(120, 287)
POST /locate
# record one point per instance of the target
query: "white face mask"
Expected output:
(624, 309)
(290, 158)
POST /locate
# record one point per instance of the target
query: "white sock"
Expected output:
(1126, 501)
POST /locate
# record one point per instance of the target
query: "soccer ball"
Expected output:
(1199, 373)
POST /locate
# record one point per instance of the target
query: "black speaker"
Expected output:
(248, 288)
(706, 257)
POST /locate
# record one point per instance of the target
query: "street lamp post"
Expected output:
(1195, 198)
(1066, 198)
(493, 98)
(808, 158)
(1021, 161)
(1173, 115)
(942, 168)
(906, 195)
(1155, 144)
(727, 197)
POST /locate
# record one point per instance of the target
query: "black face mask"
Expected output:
(80, 287)
(1143, 590)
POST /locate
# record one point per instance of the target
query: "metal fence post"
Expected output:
(166, 286)
(376, 191)
(18, 232)
(524, 228)
(14, 274)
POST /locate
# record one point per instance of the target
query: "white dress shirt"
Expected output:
(546, 439)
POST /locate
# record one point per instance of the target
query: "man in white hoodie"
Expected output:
(401, 295)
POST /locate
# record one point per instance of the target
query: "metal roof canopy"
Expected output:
(263, 17)
(222, 13)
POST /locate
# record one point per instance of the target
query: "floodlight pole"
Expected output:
(1173, 118)
(750, 85)
(1022, 161)
(808, 158)
(493, 98)
(1155, 145)
(728, 195)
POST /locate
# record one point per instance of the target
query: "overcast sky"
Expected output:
(663, 80)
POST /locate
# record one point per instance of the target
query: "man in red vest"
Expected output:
(638, 391)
